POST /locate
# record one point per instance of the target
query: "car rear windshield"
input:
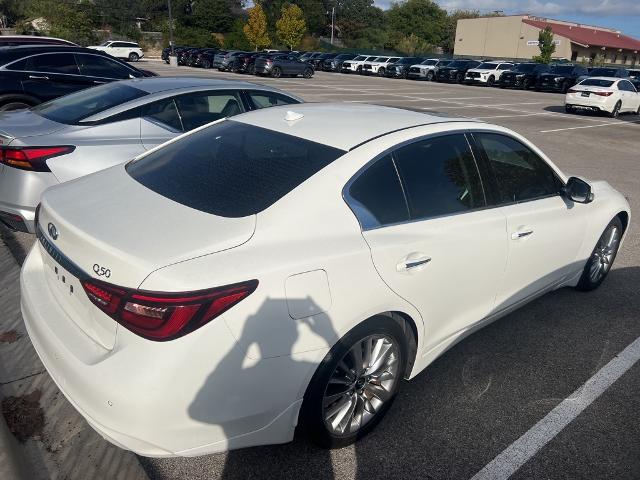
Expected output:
(594, 82)
(75, 107)
(231, 169)
(526, 67)
(562, 69)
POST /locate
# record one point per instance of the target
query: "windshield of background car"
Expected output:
(360, 58)
(488, 66)
(429, 62)
(603, 72)
(594, 82)
(231, 169)
(526, 67)
(72, 108)
(562, 69)
(458, 64)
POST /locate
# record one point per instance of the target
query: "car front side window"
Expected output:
(520, 174)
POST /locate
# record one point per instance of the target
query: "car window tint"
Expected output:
(97, 66)
(376, 195)
(18, 66)
(520, 174)
(53, 63)
(198, 109)
(165, 113)
(270, 99)
(231, 169)
(440, 176)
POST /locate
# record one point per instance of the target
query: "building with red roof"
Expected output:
(516, 36)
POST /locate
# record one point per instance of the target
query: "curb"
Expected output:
(12, 464)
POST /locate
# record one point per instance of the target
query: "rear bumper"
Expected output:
(178, 398)
(593, 102)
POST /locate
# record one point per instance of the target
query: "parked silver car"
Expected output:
(96, 128)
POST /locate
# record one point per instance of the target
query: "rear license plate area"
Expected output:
(584, 94)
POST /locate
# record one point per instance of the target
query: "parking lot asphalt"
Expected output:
(493, 388)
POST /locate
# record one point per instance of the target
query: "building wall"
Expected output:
(505, 37)
(611, 56)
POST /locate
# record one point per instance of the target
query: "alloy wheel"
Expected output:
(362, 382)
(604, 253)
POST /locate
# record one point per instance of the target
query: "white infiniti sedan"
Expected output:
(603, 94)
(291, 267)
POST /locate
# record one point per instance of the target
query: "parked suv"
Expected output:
(319, 60)
(32, 75)
(400, 69)
(523, 75)
(456, 70)
(427, 69)
(561, 77)
(279, 65)
(335, 64)
(355, 65)
(378, 66)
(610, 72)
(128, 50)
(487, 73)
(634, 76)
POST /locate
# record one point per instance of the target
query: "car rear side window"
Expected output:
(520, 174)
(165, 113)
(376, 196)
(98, 66)
(197, 109)
(440, 177)
(269, 99)
(64, 63)
(231, 169)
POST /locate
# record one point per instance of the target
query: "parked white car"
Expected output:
(292, 265)
(378, 65)
(603, 94)
(355, 65)
(427, 69)
(128, 50)
(487, 73)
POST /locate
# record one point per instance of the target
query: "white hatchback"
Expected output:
(603, 94)
(287, 267)
(127, 50)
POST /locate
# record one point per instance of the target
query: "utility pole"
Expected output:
(333, 16)
(170, 28)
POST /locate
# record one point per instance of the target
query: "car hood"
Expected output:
(25, 123)
(482, 70)
(131, 230)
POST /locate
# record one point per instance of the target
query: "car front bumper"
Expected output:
(195, 395)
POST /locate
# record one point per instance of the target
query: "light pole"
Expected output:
(333, 16)
(170, 28)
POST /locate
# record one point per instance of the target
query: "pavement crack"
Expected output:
(22, 378)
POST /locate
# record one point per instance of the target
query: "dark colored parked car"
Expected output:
(523, 75)
(183, 54)
(634, 77)
(167, 51)
(400, 69)
(279, 65)
(30, 75)
(455, 71)
(561, 78)
(318, 61)
(227, 60)
(204, 58)
(15, 40)
(607, 72)
(335, 64)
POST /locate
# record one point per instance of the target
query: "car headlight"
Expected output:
(559, 79)
(519, 76)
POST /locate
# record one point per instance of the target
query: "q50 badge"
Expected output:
(101, 271)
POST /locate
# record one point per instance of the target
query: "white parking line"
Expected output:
(512, 116)
(589, 126)
(524, 448)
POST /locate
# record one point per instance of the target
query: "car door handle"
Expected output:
(38, 77)
(412, 261)
(521, 234)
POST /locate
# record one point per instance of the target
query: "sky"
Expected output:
(623, 15)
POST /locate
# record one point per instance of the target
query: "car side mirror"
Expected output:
(578, 191)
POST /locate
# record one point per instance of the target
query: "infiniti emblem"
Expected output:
(53, 231)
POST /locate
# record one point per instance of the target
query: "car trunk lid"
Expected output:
(24, 123)
(121, 237)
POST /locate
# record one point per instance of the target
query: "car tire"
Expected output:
(10, 105)
(602, 257)
(491, 81)
(134, 57)
(638, 110)
(276, 72)
(526, 84)
(430, 76)
(381, 72)
(251, 69)
(336, 383)
(460, 78)
(308, 73)
(616, 110)
(565, 87)
(359, 70)
(206, 64)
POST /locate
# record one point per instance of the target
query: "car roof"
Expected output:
(11, 53)
(609, 79)
(339, 125)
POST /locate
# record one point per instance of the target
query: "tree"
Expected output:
(291, 26)
(412, 44)
(72, 22)
(360, 23)
(256, 28)
(546, 45)
(422, 18)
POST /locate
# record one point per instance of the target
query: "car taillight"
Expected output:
(165, 316)
(603, 94)
(31, 158)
